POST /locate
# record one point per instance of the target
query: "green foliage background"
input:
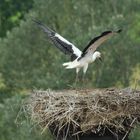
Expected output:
(28, 60)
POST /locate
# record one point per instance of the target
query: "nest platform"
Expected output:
(71, 113)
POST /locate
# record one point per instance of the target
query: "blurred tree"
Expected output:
(135, 77)
(29, 60)
(135, 135)
(11, 12)
(11, 129)
(134, 35)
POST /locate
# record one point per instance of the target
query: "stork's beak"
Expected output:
(100, 58)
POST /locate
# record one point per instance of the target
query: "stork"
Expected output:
(79, 59)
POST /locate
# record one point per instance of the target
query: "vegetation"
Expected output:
(14, 129)
(28, 60)
(11, 12)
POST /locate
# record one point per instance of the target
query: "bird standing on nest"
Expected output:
(79, 59)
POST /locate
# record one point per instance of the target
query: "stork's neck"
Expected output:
(94, 57)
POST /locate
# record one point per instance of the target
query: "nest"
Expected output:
(85, 111)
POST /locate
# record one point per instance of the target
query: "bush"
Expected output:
(135, 135)
(28, 59)
(21, 129)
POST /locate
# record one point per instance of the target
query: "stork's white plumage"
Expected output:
(79, 59)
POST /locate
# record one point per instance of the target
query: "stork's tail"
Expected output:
(66, 64)
(70, 65)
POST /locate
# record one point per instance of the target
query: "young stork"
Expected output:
(79, 59)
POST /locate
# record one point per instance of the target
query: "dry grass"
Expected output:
(85, 110)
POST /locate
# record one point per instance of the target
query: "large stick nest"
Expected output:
(81, 111)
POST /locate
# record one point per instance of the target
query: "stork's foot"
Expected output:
(75, 83)
(84, 82)
(76, 80)
(83, 78)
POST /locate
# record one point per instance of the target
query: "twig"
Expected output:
(129, 128)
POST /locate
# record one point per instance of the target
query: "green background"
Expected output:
(29, 61)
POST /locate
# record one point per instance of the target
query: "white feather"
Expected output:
(75, 49)
(65, 64)
(71, 65)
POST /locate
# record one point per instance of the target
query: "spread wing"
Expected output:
(61, 43)
(97, 41)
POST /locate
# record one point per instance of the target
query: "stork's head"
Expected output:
(96, 55)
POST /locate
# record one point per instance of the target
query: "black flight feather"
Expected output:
(60, 44)
(94, 40)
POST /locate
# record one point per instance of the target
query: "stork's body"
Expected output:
(79, 59)
(82, 63)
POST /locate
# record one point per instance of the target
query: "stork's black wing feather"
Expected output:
(61, 43)
(97, 41)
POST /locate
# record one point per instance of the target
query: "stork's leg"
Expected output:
(84, 72)
(83, 78)
(77, 78)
